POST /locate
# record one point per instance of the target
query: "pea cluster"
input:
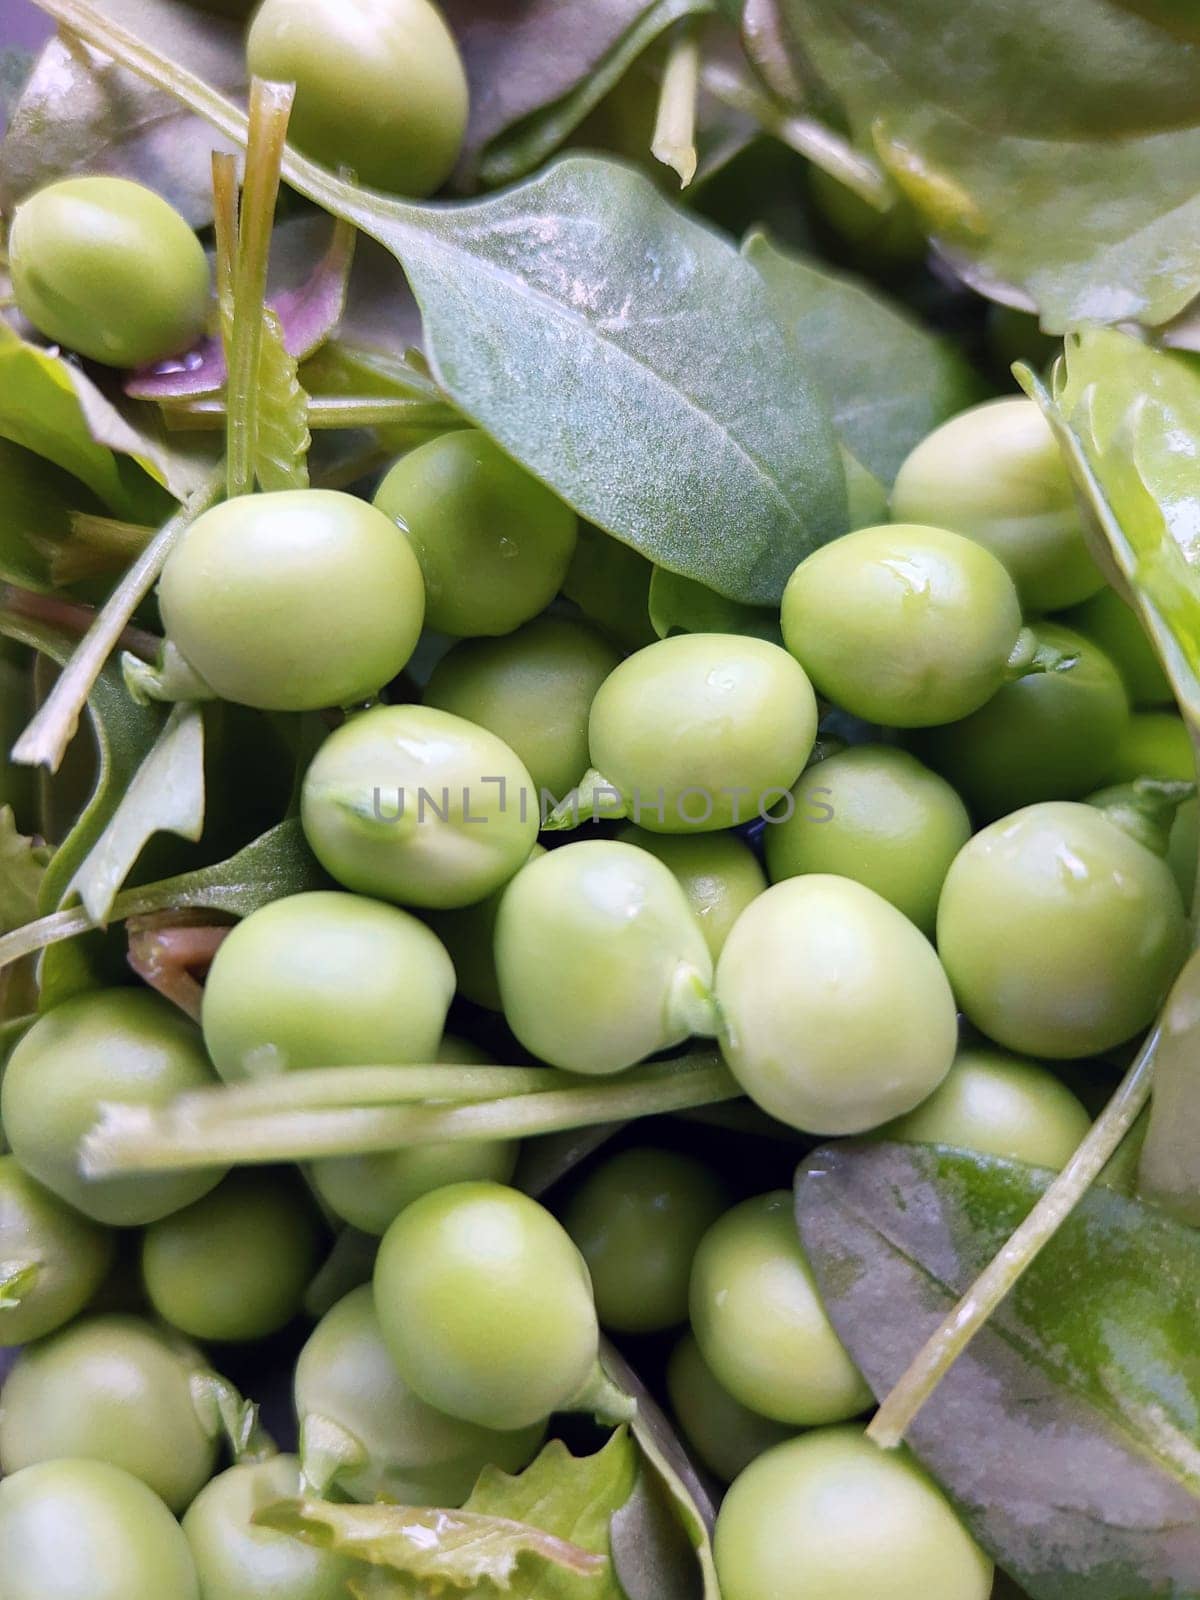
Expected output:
(901, 865)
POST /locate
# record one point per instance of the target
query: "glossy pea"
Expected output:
(417, 806)
(722, 1432)
(835, 1012)
(1116, 628)
(115, 1389)
(760, 1323)
(873, 813)
(323, 980)
(107, 1046)
(368, 1435)
(235, 1265)
(52, 1259)
(494, 544)
(718, 872)
(637, 1219)
(109, 269)
(380, 86)
(248, 593)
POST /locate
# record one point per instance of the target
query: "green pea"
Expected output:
(875, 814)
(237, 1560)
(53, 1259)
(718, 872)
(83, 1530)
(830, 1516)
(637, 1219)
(367, 1433)
(248, 593)
(835, 1012)
(702, 730)
(760, 1324)
(1059, 932)
(903, 625)
(533, 689)
(107, 268)
(599, 957)
(1183, 850)
(494, 544)
(324, 980)
(1049, 736)
(115, 1389)
(725, 1434)
(1155, 744)
(235, 1265)
(417, 806)
(1117, 629)
(469, 935)
(995, 473)
(380, 86)
(370, 1191)
(1000, 1105)
(486, 1306)
(107, 1046)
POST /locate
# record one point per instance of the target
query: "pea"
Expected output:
(417, 806)
(115, 1389)
(469, 935)
(248, 593)
(1155, 744)
(599, 958)
(904, 625)
(835, 1012)
(324, 980)
(237, 1560)
(637, 1219)
(1059, 932)
(235, 1265)
(831, 1517)
(62, 1257)
(1000, 1105)
(361, 1421)
(370, 1191)
(702, 730)
(1049, 736)
(380, 86)
(718, 872)
(760, 1324)
(1116, 628)
(1184, 848)
(486, 1306)
(995, 473)
(84, 1530)
(494, 544)
(107, 1046)
(875, 814)
(107, 268)
(533, 689)
(723, 1433)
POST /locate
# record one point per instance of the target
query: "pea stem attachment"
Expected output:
(943, 1348)
(139, 1139)
(1031, 655)
(606, 1400)
(674, 139)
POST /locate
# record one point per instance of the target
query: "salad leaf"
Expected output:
(22, 868)
(1068, 1433)
(889, 380)
(39, 499)
(79, 113)
(282, 441)
(1050, 150)
(536, 72)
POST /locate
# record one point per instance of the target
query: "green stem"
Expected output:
(138, 1139)
(943, 1348)
(330, 1088)
(674, 140)
(338, 411)
(44, 742)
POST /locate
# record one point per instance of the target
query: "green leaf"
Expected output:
(165, 795)
(1068, 1433)
(22, 868)
(1051, 150)
(536, 72)
(889, 380)
(681, 605)
(79, 113)
(547, 1527)
(281, 458)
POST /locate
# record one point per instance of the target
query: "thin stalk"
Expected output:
(674, 140)
(137, 1139)
(270, 107)
(330, 1088)
(943, 1348)
(340, 411)
(44, 742)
